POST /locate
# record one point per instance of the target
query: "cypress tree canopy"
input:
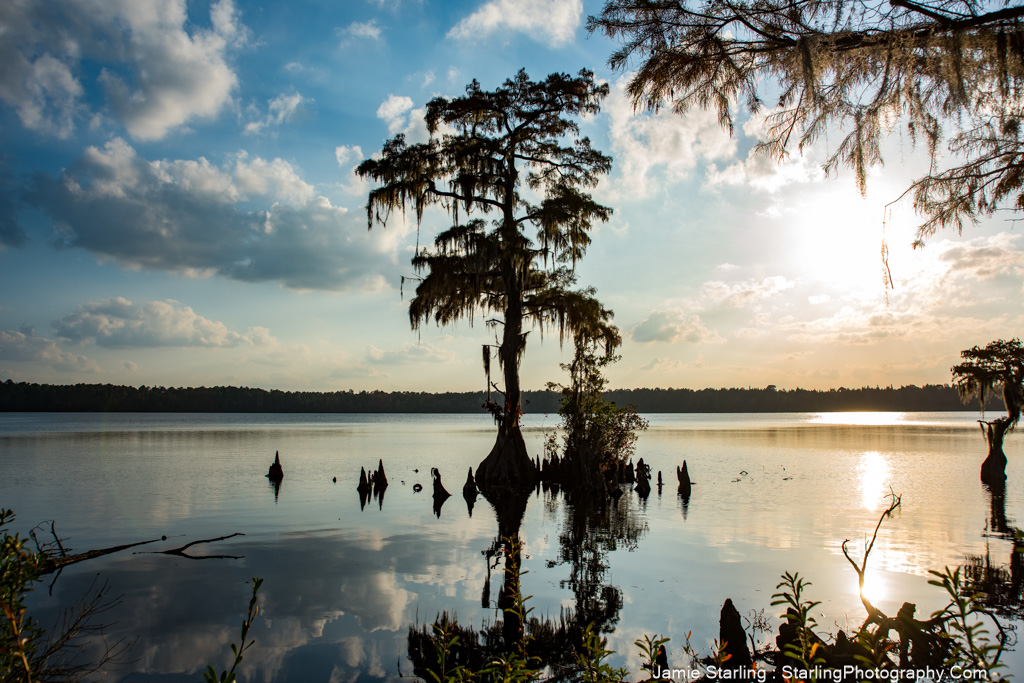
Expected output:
(950, 70)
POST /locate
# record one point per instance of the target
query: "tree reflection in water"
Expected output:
(590, 530)
(999, 586)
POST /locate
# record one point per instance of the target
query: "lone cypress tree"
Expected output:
(1000, 364)
(517, 268)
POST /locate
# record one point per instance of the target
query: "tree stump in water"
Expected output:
(733, 639)
(276, 472)
(683, 475)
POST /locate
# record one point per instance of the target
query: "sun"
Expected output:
(837, 238)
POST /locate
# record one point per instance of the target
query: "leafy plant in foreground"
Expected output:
(804, 650)
(971, 646)
(19, 634)
(592, 660)
(650, 648)
(228, 675)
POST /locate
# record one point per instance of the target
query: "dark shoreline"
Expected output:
(30, 397)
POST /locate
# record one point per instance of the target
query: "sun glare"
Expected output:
(839, 244)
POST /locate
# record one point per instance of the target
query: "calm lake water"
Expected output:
(342, 585)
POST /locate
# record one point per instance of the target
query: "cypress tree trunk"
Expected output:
(508, 466)
(993, 470)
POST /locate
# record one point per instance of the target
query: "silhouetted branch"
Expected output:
(873, 612)
(54, 563)
(180, 552)
(61, 657)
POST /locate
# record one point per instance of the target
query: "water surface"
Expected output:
(342, 585)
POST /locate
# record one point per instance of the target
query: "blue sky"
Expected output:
(178, 208)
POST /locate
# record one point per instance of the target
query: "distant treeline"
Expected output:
(22, 396)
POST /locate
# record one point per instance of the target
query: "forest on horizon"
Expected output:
(30, 397)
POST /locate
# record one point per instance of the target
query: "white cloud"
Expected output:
(764, 174)
(118, 323)
(395, 111)
(350, 157)
(870, 324)
(163, 71)
(346, 155)
(49, 102)
(742, 293)
(18, 346)
(182, 216)
(668, 365)
(361, 29)
(409, 353)
(551, 21)
(197, 176)
(673, 325)
(983, 258)
(280, 109)
(276, 179)
(177, 77)
(645, 144)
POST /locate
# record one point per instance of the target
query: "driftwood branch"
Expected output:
(180, 552)
(54, 563)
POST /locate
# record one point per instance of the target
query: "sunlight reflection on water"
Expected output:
(859, 418)
(874, 480)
